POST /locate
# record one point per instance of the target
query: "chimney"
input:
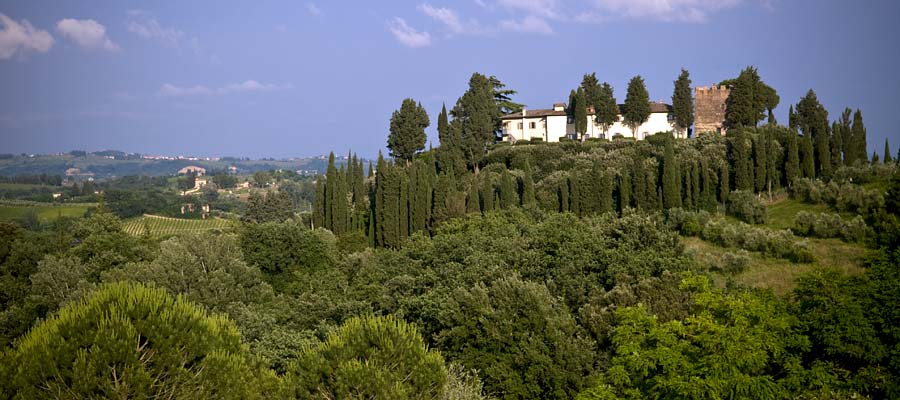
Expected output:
(523, 111)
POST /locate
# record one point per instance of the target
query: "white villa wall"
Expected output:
(551, 128)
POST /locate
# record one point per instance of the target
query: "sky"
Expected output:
(297, 78)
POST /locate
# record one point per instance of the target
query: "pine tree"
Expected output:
(671, 185)
(478, 116)
(858, 138)
(591, 88)
(607, 112)
(887, 151)
(407, 137)
(749, 99)
(637, 105)
(580, 114)
(683, 103)
(527, 187)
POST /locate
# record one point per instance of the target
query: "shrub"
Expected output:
(846, 197)
(735, 263)
(746, 207)
(687, 223)
(780, 244)
(827, 225)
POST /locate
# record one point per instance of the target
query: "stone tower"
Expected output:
(709, 108)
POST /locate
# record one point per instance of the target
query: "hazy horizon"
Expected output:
(300, 79)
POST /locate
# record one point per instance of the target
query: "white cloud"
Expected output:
(313, 10)
(444, 15)
(250, 85)
(86, 33)
(22, 37)
(168, 89)
(149, 28)
(544, 8)
(408, 36)
(529, 24)
(663, 10)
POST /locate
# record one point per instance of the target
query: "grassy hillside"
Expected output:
(778, 274)
(165, 226)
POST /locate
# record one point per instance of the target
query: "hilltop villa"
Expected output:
(550, 125)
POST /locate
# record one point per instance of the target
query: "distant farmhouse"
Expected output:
(550, 125)
(199, 171)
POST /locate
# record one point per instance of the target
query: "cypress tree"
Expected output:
(749, 99)
(683, 103)
(760, 160)
(639, 184)
(509, 197)
(887, 151)
(792, 118)
(637, 105)
(407, 137)
(318, 217)
(858, 137)
(836, 140)
(875, 159)
(792, 159)
(773, 177)
(330, 188)
(823, 150)
(772, 121)
(623, 190)
(487, 194)
(687, 200)
(605, 192)
(564, 195)
(527, 186)
(724, 184)
(580, 114)
(740, 159)
(404, 221)
(473, 200)
(671, 185)
(695, 185)
(846, 139)
(807, 158)
(707, 185)
(575, 199)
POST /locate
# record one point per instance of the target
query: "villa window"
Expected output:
(520, 126)
(532, 125)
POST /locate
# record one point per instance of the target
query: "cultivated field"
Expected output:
(165, 226)
(45, 211)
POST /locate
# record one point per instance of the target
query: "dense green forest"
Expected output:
(594, 269)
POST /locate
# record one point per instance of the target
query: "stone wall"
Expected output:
(709, 108)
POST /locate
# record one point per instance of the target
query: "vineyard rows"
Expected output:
(163, 226)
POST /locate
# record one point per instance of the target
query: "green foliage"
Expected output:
(746, 207)
(637, 104)
(280, 248)
(749, 99)
(579, 112)
(369, 357)
(780, 244)
(739, 345)
(407, 137)
(671, 187)
(269, 207)
(683, 102)
(607, 111)
(825, 225)
(524, 342)
(130, 341)
(477, 115)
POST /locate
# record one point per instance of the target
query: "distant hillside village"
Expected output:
(550, 125)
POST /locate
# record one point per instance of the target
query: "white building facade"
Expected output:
(550, 125)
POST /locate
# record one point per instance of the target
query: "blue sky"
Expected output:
(297, 78)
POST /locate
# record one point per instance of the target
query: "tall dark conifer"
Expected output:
(887, 151)
(858, 138)
(527, 186)
(637, 105)
(671, 185)
(683, 103)
(792, 158)
(407, 137)
(607, 112)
